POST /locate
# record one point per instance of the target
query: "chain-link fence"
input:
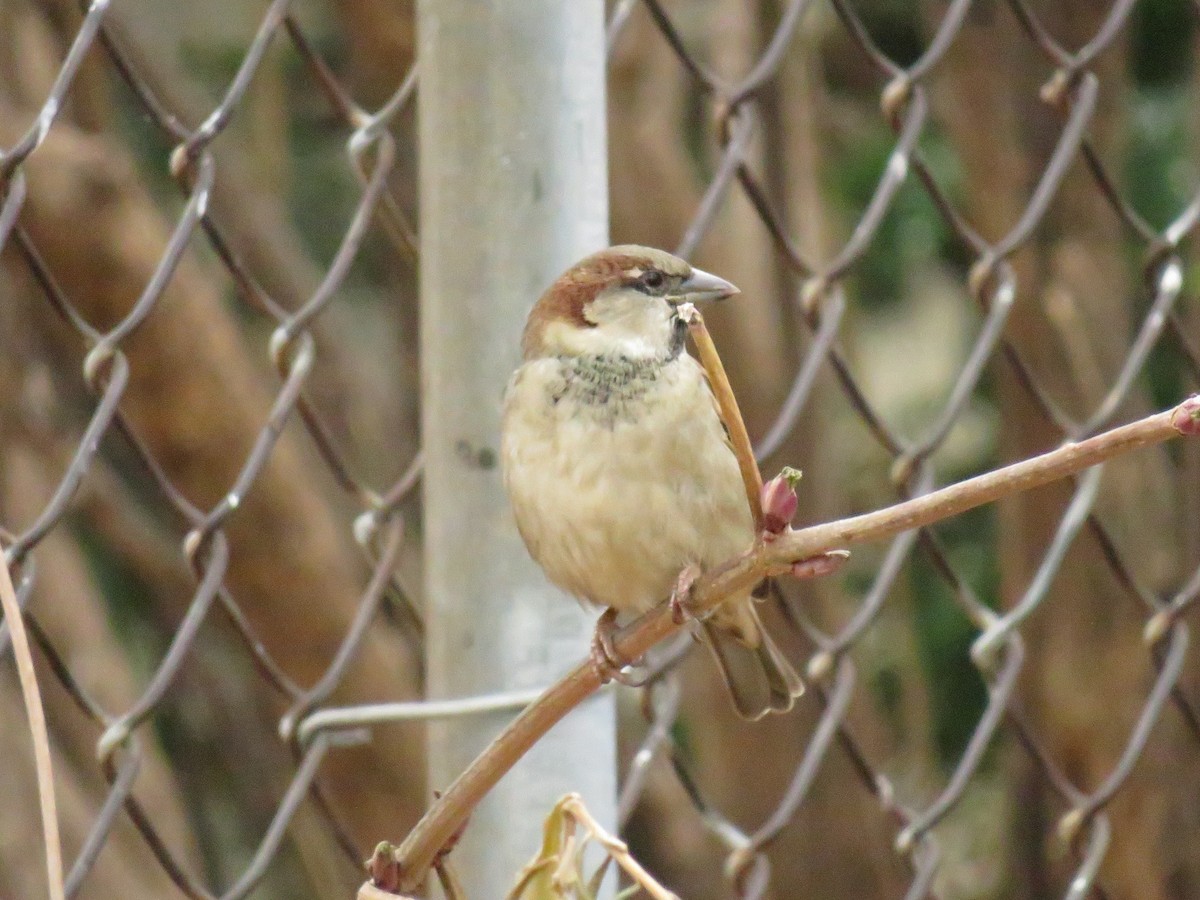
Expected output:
(963, 242)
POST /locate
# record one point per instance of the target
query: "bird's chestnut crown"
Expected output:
(620, 301)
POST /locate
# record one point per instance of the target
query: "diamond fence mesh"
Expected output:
(967, 234)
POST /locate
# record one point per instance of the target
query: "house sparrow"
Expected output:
(617, 464)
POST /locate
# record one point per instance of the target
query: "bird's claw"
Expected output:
(820, 565)
(681, 594)
(607, 662)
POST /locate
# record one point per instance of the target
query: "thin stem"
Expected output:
(416, 853)
(37, 729)
(616, 849)
(731, 415)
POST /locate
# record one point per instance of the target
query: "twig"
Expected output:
(738, 575)
(727, 403)
(558, 865)
(617, 849)
(37, 730)
(451, 889)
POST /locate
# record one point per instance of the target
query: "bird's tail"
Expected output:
(759, 677)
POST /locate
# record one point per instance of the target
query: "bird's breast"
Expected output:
(619, 475)
(605, 390)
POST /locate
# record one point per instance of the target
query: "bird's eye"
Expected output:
(653, 279)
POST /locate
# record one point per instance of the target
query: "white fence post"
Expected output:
(513, 189)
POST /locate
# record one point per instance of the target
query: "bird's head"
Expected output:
(620, 301)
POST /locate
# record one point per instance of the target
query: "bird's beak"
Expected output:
(702, 286)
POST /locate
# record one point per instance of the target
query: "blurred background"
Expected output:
(964, 233)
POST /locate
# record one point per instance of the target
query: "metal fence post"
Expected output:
(513, 189)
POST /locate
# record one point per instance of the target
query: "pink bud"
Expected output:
(779, 501)
(1187, 416)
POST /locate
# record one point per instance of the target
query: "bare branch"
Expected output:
(416, 853)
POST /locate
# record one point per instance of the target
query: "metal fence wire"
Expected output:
(1072, 665)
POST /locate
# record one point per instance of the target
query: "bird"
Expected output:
(619, 469)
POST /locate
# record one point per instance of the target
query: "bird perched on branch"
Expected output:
(620, 472)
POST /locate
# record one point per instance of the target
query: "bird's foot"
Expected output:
(681, 594)
(820, 565)
(607, 662)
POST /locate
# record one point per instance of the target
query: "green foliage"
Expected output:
(912, 234)
(1162, 42)
(1159, 172)
(887, 687)
(148, 143)
(325, 189)
(894, 28)
(127, 600)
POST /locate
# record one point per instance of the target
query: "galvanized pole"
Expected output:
(513, 189)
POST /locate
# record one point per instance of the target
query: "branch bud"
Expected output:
(779, 500)
(1186, 419)
(383, 868)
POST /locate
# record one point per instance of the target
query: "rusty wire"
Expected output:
(999, 650)
(314, 728)
(105, 373)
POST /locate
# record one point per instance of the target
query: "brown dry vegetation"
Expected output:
(113, 584)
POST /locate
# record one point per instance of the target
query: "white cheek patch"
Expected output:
(632, 328)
